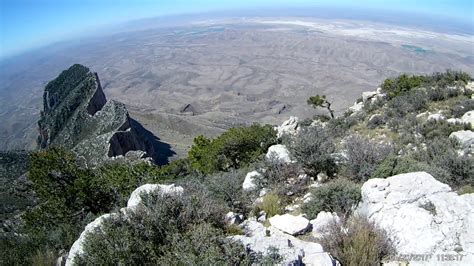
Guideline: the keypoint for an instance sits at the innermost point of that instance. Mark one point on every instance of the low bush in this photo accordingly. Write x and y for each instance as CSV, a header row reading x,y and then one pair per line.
x,y
466,189
271,205
357,241
282,178
226,187
183,229
462,107
410,102
339,126
234,148
394,165
336,196
404,83
313,148
376,121
401,84
440,128
364,156
446,163
437,94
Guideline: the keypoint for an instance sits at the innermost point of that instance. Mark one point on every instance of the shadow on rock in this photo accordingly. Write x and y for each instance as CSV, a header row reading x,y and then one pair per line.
x,y
159,151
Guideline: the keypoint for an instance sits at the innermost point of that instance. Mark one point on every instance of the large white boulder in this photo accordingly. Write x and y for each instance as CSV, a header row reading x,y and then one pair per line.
x,y
77,248
278,152
250,181
323,220
134,201
293,250
288,127
136,196
422,215
290,224
468,118
465,137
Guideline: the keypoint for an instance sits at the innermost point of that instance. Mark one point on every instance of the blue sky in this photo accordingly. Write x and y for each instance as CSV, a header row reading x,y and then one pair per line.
x,y
26,24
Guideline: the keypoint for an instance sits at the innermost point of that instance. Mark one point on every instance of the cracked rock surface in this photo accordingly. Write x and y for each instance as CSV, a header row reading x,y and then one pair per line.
x,y
422,215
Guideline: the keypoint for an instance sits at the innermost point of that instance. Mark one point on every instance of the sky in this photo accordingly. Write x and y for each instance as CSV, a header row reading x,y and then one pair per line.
x,y
28,24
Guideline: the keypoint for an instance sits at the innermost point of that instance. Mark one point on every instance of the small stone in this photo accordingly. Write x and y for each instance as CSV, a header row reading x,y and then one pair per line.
x,y
322,177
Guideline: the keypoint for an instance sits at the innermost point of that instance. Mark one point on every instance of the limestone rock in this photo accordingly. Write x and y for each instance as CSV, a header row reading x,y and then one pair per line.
x,y
279,153
436,117
289,127
249,181
234,218
322,177
468,118
294,251
465,137
78,246
290,224
136,196
77,116
421,214
372,95
357,107
368,95
323,219
454,121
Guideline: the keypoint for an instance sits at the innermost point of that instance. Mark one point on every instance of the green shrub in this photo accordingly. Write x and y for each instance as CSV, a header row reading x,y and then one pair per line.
x,y
437,94
441,128
401,84
466,189
364,156
376,121
271,204
183,229
462,107
446,164
313,148
282,178
336,196
404,83
409,102
339,126
360,243
235,148
394,165
226,187
66,193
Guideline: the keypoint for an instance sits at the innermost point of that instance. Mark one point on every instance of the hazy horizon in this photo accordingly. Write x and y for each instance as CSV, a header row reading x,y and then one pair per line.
x,y
26,25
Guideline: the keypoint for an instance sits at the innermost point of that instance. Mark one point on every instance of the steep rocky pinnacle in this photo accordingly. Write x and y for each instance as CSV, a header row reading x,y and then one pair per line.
x,y
78,116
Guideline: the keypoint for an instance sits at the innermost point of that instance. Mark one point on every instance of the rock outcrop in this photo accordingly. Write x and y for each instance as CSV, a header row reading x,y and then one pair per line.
x,y
468,118
290,224
293,250
422,215
78,116
289,127
278,153
323,220
466,138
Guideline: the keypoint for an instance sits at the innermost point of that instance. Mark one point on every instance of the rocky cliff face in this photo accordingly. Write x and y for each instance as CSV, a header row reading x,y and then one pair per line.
x,y
78,116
